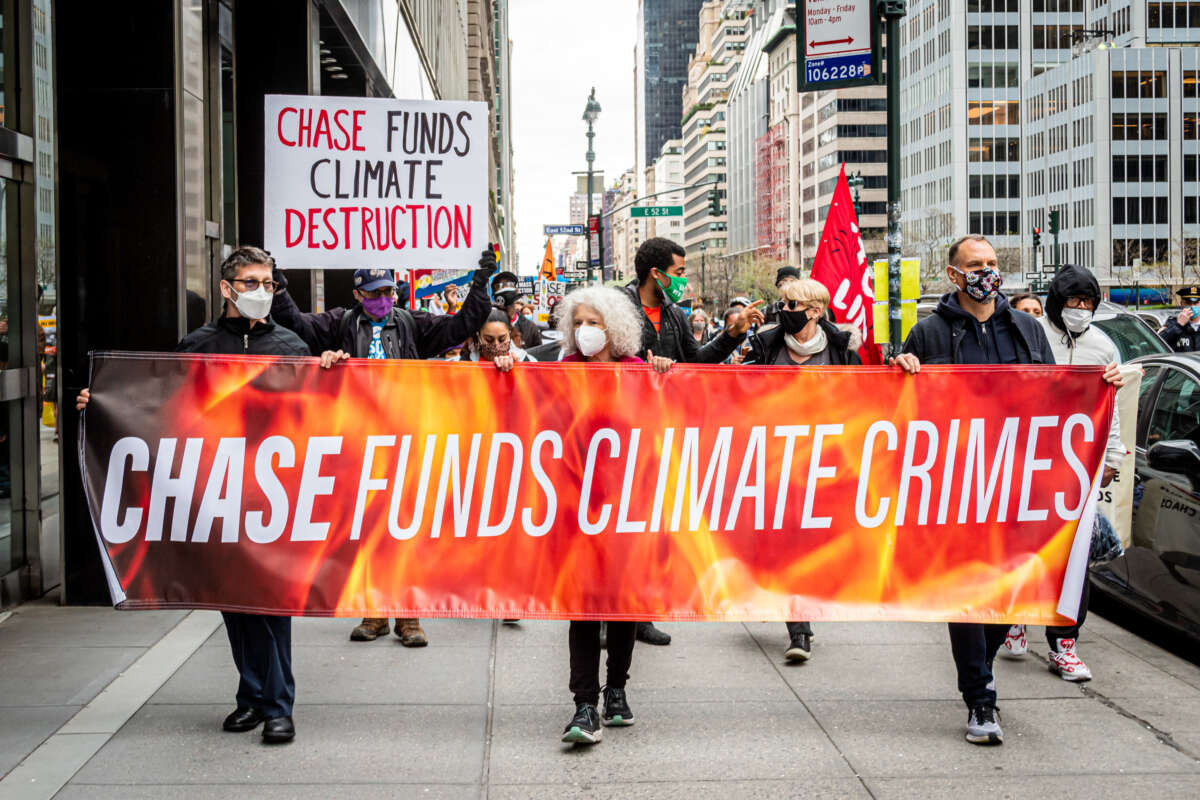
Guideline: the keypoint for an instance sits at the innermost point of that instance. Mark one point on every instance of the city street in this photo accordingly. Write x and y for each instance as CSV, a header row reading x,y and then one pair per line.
x,y
109,704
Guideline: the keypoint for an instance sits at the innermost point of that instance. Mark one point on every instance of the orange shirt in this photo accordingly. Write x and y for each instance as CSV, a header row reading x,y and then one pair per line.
x,y
654,315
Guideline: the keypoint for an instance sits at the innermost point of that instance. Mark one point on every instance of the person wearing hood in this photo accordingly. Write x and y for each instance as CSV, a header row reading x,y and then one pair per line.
x,y
377,326
504,295
1071,303
974,324
1182,332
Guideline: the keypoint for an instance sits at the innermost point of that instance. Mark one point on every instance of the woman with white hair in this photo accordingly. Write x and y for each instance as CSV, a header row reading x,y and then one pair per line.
x,y
600,325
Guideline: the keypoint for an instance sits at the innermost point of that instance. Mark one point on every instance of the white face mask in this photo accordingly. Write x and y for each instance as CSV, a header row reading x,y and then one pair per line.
x,y
1076,320
253,305
590,340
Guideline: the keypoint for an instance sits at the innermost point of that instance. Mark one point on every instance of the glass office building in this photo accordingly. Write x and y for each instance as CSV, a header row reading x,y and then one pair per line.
x,y
667,34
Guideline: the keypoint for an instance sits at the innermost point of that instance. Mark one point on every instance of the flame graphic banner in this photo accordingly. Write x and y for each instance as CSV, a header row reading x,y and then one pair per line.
x,y
580,491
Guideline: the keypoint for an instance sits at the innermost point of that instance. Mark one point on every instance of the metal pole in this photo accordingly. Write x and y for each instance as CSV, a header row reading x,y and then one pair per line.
x,y
703,252
893,11
591,156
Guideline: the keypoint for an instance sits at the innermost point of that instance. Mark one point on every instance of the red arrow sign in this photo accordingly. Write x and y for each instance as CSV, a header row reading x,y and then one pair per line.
x,y
847,40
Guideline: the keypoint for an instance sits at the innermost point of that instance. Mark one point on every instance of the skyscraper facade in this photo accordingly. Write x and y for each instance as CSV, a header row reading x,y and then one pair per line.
x,y
667,33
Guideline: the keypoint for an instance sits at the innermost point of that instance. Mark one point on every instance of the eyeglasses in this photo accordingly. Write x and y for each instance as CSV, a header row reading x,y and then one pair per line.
x,y
793,305
382,291
252,284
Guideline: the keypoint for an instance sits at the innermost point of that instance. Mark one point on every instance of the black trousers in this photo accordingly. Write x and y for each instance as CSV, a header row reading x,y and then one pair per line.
x,y
974,646
262,651
1053,634
585,657
797,628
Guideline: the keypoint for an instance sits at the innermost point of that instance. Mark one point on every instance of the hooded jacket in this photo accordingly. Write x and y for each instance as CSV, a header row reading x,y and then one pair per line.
x,y
1092,347
674,339
938,339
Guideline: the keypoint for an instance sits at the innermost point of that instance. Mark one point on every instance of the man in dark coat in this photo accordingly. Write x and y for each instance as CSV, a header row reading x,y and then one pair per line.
x,y
1182,333
504,295
376,327
261,644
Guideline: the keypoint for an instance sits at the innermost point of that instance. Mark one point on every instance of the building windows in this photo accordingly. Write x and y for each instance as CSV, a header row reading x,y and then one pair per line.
x,y
1054,37
993,37
1140,211
990,186
861,130
1135,84
994,6
1150,251
1145,126
993,112
998,223
1057,5
1139,168
987,149
1172,15
1191,79
988,76
1191,125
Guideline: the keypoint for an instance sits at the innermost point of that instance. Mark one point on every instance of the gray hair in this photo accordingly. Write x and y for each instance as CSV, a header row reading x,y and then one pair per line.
x,y
621,319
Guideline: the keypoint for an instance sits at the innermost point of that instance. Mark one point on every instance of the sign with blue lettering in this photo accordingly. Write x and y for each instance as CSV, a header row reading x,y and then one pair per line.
x,y
838,44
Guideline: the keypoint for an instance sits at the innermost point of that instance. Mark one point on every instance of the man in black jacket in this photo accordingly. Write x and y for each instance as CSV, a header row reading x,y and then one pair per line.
x,y
661,281
375,327
261,644
1182,333
504,295
976,325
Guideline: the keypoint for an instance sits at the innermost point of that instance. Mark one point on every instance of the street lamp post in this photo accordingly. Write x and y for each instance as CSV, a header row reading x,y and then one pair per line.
x,y
590,113
703,248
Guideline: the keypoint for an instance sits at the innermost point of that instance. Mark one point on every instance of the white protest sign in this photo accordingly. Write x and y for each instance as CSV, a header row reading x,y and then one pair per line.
x,y
375,182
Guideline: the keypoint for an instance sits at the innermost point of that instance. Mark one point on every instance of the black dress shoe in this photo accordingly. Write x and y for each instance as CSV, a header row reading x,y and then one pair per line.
x,y
278,730
646,632
243,719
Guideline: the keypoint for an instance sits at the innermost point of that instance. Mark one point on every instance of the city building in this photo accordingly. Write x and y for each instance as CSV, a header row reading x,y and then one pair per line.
x,y
664,174
626,229
667,32
711,71
1112,144
503,121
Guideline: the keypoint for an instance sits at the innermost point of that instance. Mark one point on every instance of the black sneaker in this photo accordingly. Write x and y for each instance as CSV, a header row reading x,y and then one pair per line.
x,y
616,708
646,632
800,648
983,725
584,727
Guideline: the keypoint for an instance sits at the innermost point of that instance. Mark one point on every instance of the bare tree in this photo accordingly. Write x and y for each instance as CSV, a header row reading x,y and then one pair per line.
x,y
929,237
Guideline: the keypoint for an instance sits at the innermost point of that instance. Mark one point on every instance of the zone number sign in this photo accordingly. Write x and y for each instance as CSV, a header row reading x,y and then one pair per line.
x,y
839,43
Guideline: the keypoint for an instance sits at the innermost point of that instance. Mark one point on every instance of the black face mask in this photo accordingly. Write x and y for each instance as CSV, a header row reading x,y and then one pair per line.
x,y
505,297
793,321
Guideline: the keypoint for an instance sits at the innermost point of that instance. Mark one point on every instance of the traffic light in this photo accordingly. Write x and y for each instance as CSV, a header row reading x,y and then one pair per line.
x,y
714,203
1054,222
1037,238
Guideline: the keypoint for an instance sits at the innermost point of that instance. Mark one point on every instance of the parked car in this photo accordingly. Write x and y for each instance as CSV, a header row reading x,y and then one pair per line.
x,y
1159,574
1157,317
1131,334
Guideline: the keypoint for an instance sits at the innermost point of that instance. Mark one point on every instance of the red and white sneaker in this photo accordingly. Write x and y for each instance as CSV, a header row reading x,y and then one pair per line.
x,y
1015,644
1066,664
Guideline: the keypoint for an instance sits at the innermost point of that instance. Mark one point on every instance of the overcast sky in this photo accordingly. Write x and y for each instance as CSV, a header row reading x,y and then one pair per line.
x,y
560,50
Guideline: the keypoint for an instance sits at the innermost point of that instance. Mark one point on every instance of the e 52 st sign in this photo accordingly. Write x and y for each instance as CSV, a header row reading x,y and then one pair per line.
x,y
838,44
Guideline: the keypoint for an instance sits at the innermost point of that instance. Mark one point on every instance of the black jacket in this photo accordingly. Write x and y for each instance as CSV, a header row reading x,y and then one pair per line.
x,y
1181,338
674,339
531,335
406,334
766,346
938,338
235,336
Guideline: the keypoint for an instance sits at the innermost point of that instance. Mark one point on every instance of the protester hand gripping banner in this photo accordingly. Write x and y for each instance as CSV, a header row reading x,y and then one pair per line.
x,y
356,182
404,488
1116,499
841,265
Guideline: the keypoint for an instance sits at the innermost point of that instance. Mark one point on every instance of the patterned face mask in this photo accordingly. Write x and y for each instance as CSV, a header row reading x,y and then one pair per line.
x,y
490,352
982,285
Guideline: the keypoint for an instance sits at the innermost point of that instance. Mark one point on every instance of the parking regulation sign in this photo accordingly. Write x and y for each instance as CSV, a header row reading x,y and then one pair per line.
x,y
840,44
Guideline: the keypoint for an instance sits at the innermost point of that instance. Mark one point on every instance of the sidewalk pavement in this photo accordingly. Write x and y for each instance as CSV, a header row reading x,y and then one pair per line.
x,y
104,704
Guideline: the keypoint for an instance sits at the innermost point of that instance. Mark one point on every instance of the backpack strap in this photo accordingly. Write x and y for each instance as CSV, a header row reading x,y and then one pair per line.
x,y
344,324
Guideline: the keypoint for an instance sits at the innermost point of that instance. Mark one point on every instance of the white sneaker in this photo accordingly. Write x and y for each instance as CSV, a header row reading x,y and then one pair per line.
x,y
1015,644
1066,664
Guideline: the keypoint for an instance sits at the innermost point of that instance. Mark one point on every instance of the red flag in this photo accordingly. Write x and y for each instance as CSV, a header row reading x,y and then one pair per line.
x,y
841,265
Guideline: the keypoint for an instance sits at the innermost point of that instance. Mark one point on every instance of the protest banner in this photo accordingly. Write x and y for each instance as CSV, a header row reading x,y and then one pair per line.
x,y
586,491
356,182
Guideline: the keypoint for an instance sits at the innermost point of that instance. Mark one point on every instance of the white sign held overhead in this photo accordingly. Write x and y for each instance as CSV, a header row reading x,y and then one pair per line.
x,y
837,42
356,182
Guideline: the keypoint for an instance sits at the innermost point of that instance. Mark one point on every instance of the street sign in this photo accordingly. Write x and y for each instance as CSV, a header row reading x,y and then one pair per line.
x,y
839,40
557,230
656,211
580,265
1049,269
574,274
